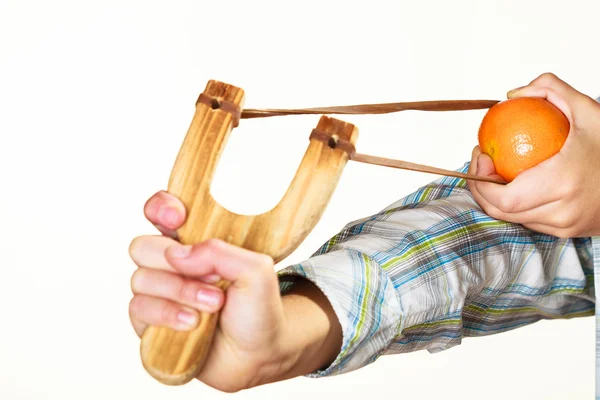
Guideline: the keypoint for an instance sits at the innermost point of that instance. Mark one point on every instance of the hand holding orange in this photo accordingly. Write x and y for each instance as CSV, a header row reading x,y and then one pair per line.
x,y
545,141
520,133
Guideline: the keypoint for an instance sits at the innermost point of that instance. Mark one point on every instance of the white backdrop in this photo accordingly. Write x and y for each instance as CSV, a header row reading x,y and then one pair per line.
x,y
96,96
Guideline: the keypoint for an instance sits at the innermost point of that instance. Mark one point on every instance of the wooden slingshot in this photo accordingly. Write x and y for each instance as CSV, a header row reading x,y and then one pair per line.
x,y
173,357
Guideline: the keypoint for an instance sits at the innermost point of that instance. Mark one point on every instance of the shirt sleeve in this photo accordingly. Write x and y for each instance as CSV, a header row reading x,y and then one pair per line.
x,y
362,297
433,268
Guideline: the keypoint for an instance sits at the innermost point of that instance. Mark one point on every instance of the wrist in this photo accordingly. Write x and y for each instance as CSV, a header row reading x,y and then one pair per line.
x,y
311,337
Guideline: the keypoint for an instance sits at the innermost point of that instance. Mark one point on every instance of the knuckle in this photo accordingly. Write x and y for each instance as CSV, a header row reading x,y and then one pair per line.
x,y
572,187
168,314
565,226
134,307
487,209
508,203
185,291
265,261
494,213
564,221
568,188
214,245
227,386
249,374
264,265
231,388
573,230
209,248
547,78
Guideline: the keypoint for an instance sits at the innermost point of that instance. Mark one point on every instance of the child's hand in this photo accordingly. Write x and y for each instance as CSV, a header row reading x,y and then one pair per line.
x,y
560,196
255,342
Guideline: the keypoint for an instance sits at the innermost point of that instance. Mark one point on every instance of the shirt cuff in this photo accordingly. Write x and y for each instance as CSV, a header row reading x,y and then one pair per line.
x,y
363,299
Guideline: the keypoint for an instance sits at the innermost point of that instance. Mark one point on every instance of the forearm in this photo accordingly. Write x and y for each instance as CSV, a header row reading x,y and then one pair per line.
x,y
314,331
312,337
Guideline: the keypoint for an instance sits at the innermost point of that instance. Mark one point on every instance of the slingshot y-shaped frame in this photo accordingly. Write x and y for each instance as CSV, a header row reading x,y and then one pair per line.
x,y
174,357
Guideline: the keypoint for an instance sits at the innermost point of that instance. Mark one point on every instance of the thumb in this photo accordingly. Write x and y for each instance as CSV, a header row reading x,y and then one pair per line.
x,y
484,165
166,212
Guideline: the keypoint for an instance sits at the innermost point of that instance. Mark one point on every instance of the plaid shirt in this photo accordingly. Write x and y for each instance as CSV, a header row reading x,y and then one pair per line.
x,y
433,268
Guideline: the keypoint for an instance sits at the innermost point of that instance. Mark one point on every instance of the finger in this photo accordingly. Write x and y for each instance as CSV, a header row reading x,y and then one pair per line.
x,y
553,215
138,326
149,252
148,310
192,293
471,184
473,169
550,80
531,189
549,213
216,257
473,164
550,230
166,212
546,80
486,168
553,89
545,212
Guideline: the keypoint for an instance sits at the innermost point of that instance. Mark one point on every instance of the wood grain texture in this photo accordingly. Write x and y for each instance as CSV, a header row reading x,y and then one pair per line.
x,y
175,358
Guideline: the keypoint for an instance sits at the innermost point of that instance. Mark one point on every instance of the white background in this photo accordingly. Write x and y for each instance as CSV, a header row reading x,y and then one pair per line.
x,y
96,96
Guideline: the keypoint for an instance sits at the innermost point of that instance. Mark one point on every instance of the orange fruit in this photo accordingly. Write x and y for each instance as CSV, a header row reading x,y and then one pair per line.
x,y
520,133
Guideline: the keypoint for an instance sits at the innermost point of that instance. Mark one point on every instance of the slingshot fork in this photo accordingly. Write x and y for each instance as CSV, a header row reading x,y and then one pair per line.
x,y
173,357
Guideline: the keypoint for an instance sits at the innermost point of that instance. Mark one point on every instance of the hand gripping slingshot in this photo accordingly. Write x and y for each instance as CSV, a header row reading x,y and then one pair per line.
x,y
173,357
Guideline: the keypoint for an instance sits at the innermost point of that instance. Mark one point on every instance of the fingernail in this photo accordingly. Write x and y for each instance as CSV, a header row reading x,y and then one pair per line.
x,y
181,251
187,318
208,297
168,215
